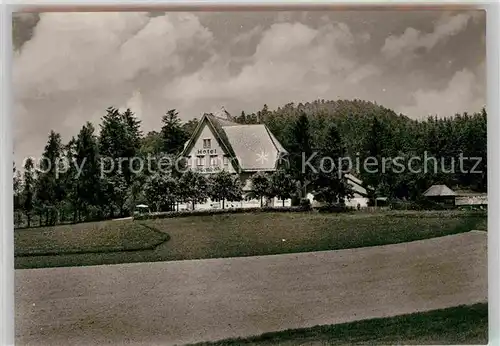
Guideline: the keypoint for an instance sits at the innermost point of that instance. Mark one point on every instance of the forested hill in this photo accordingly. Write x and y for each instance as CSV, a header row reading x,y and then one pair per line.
x,y
366,127
352,117
333,128
397,133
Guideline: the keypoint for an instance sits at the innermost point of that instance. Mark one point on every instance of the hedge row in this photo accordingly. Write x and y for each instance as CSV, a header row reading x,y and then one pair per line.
x,y
209,212
438,213
304,205
419,205
334,209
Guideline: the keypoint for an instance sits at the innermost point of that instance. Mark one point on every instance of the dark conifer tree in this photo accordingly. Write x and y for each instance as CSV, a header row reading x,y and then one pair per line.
x,y
172,133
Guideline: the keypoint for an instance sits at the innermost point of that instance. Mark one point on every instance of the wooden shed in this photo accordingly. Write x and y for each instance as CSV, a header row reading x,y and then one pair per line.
x,y
441,194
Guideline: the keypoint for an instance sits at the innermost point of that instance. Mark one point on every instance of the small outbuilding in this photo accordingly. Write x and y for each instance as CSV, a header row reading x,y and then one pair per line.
x,y
141,209
471,200
441,194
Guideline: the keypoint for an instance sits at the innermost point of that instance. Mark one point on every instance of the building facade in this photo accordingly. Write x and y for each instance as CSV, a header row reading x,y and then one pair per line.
x,y
360,197
218,143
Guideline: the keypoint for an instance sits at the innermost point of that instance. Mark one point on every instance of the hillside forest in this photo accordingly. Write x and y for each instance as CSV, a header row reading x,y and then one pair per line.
x,y
343,128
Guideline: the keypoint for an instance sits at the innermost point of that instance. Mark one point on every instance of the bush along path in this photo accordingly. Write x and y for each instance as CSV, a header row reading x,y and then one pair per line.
x,y
93,238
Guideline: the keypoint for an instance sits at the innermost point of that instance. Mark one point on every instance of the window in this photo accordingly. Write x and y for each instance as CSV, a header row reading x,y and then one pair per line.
x,y
226,161
207,143
213,160
200,161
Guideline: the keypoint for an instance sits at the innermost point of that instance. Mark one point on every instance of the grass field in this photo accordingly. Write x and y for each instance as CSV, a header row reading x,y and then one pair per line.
x,y
263,234
233,235
109,236
466,325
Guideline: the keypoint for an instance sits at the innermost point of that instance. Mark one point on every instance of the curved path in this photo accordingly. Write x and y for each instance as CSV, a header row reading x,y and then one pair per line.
x,y
167,303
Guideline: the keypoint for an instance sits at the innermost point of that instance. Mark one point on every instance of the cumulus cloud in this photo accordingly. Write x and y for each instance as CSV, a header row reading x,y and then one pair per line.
x,y
75,51
78,64
288,55
460,95
413,39
135,103
363,72
247,35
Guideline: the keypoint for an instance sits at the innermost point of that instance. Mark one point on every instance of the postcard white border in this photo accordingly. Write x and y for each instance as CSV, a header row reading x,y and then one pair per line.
x,y
6,130
6,201
493,105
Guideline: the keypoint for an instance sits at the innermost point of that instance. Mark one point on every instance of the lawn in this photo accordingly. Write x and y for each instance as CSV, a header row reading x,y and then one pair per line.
x,y
273,233
466,325
109,236
233,235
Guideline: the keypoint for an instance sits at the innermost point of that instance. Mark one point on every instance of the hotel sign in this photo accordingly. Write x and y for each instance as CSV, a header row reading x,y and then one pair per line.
x,y
206,152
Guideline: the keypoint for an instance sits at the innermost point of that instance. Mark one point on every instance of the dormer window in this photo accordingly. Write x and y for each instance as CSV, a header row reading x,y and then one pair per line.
x,y
207,143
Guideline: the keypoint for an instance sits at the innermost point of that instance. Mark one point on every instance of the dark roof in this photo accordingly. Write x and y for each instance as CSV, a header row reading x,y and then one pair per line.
x,y
217,124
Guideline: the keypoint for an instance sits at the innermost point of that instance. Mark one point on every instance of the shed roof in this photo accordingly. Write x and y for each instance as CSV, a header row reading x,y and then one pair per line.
x,y
439,190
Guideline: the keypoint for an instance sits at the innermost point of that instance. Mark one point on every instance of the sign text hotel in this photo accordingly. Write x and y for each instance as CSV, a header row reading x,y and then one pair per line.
x,y
206,152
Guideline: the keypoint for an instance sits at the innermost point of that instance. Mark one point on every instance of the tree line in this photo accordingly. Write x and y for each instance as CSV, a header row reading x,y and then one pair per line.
x,y
370,130
333,129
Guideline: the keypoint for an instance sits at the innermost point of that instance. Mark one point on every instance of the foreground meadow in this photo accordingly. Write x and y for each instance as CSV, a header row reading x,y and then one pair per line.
x,y
462,325
230,235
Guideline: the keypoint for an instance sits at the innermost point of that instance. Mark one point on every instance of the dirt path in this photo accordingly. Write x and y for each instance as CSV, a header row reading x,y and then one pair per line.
x,y
168,303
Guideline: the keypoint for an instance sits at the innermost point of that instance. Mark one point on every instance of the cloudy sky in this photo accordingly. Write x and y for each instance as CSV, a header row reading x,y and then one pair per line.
x,y
69,67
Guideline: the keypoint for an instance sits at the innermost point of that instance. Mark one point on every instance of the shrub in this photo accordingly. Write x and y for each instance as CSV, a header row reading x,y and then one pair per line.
x,y
421,204
335,208
209,212
295,201
305,203
404,205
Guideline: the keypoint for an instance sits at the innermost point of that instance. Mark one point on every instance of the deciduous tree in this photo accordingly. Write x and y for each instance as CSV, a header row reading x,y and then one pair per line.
x,y
282,185
193,188
260,186
225,186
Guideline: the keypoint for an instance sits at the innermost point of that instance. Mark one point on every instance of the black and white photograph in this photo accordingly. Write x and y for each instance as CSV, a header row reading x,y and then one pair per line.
x,y
252,177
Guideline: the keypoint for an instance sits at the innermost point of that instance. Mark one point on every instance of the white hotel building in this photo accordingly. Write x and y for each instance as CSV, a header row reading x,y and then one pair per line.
x,y
219,143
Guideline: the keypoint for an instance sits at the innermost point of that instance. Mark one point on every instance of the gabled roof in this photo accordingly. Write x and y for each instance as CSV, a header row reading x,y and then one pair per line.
x,y
218,121
277,144
354,179
356,185
223,114
215,125
439,190
254,146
